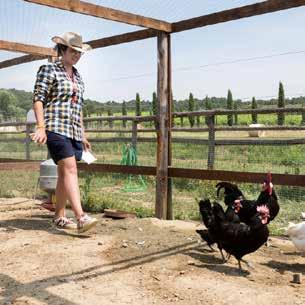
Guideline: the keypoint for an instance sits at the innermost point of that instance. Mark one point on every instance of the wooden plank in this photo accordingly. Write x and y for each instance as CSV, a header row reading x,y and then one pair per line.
x,y
261,142
12,140
28,166
236,13
201,174
119,130
123,169
242,111
195,141
266,142
267,128
20,60
26,48
211,142
162,128
122,38
99,11
97,43
169,209
121,118
246,177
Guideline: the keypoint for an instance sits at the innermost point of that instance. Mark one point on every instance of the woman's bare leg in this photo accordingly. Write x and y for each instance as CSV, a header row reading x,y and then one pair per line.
x,y
67,188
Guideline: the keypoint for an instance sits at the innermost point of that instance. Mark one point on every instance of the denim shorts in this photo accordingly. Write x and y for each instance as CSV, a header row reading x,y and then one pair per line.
x,y
61,147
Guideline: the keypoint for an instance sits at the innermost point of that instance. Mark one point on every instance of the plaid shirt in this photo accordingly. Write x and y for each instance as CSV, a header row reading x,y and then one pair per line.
x,y
55,90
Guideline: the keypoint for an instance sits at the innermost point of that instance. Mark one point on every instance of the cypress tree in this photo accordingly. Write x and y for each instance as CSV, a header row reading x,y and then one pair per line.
x,y
230,107
173,108
303,114
110,113
281,104
254,106
154,106
124,112
191,108
235,114
138,105
197,117
154,103
208,106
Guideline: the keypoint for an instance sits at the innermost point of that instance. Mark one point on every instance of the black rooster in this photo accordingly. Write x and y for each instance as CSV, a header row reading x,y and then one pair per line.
x,y
244,208
231,192
207,216
239,239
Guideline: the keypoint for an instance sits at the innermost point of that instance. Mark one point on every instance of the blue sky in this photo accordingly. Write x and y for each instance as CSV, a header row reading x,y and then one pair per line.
x,y
118,72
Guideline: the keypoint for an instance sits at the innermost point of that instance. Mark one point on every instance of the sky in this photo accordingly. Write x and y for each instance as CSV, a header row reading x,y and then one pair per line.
x,y
249,56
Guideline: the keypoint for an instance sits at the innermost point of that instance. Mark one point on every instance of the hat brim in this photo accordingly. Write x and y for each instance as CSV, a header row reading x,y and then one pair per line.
x,y
85,47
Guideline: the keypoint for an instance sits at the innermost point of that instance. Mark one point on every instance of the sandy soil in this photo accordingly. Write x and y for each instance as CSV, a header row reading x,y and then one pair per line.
x,y
133,261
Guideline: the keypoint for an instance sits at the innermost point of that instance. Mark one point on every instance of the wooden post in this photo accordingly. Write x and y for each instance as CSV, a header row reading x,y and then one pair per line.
x,y
211,148
162,128
27,142
169,215
134,134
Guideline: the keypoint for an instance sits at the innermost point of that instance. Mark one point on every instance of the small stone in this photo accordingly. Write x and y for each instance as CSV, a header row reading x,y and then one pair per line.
x,y
140,229
182,272
100,243
140,243
297,278
124,245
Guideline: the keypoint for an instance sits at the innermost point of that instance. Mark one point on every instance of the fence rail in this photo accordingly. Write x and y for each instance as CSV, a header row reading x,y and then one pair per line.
x,y
201,174
211,129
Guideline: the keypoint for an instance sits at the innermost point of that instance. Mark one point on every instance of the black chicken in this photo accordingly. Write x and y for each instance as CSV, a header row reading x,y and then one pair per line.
x,y
231,192
244,208
207,216
239,239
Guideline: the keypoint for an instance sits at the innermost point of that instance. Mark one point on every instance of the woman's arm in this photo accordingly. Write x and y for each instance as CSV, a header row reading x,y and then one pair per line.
x,y
44,80
40,134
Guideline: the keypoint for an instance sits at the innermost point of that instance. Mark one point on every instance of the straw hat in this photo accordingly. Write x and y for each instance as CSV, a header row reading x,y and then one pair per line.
x,y
73,41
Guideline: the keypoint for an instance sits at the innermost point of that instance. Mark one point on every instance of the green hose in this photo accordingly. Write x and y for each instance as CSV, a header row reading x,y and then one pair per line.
x,y
134,183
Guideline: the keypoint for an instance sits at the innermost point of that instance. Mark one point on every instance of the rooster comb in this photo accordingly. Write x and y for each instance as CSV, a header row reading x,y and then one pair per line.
x,y
262,209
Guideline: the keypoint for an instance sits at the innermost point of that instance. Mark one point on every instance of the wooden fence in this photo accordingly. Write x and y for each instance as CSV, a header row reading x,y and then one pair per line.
x,y
211,129
172,172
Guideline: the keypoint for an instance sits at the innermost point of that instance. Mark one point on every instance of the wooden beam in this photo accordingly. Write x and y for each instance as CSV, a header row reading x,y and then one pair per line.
x,y
215,18
20,60
26,48
169,210
162,127
187,173
90,9
236,13
122,38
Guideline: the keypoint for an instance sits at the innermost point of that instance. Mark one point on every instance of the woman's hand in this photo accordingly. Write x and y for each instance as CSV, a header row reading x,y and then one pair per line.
x,y
39,136
86,144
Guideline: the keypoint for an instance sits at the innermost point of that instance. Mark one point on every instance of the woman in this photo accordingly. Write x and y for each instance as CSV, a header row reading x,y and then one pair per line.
x,y
57,102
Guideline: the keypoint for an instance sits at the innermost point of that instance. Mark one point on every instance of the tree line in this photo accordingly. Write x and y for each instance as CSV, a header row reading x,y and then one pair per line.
x,y
14,105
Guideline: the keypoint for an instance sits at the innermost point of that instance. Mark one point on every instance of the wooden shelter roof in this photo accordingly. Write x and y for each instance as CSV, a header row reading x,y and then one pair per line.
x,y
167,16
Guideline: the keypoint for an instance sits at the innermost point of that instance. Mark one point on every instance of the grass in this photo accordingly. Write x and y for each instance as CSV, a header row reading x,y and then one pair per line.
x,y
100,191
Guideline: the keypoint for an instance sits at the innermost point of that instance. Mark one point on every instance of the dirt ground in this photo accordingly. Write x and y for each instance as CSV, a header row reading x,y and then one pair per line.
x,y
133,261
